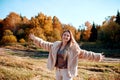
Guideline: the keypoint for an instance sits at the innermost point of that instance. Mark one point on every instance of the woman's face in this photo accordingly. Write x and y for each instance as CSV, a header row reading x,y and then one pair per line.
x,y
66,36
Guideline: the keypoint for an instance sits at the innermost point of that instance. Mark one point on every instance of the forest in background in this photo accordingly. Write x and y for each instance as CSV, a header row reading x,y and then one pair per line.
x,y
15,28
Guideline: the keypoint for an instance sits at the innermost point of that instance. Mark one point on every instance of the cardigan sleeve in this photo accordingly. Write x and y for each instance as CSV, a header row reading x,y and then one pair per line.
x,y
43,44
89,55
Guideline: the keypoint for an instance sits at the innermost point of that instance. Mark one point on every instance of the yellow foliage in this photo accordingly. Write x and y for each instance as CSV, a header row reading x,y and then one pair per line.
x,y
42,36
71,28
77,36
87,32
7,32
9,39
22,40
56,34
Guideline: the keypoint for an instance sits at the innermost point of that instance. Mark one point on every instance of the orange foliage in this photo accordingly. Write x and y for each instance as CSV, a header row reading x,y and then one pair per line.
x,y
86,33
43,26
22,40
9,39
11,22
77,36
57,24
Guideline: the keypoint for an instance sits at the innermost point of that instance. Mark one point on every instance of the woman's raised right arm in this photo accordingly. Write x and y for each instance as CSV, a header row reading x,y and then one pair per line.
x,y
92,56
41,43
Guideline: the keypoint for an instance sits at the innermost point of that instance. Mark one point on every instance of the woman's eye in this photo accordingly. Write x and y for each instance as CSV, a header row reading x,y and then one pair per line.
x,y
64,34
67,35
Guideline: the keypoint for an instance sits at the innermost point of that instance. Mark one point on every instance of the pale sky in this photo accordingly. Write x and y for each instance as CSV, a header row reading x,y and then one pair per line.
x,y
74,12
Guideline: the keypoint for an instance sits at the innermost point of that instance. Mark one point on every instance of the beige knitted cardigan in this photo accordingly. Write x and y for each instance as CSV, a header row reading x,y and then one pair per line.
x,y
74,53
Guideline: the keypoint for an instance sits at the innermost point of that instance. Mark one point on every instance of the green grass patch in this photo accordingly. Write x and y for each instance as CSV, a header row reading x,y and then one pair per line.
x,y
100,48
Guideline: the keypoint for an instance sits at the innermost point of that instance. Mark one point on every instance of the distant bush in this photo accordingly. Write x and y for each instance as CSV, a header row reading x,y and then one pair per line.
x,y
8,39
22,40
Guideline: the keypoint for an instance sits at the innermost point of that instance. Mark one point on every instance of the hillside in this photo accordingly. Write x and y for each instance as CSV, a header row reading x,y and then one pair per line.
x,y
15,65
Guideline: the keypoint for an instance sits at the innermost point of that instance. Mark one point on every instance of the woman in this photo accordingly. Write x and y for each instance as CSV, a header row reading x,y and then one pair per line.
x,y
64,55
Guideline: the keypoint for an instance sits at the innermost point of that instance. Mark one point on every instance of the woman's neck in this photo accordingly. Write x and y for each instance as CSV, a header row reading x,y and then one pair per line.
x,y
64,44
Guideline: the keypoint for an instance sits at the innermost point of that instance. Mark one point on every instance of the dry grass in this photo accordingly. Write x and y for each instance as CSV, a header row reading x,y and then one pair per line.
x,y
23,68
13,67
99,71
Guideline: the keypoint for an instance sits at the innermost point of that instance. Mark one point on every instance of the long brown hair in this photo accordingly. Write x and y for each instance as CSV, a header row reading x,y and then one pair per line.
x,y
70,43
72,40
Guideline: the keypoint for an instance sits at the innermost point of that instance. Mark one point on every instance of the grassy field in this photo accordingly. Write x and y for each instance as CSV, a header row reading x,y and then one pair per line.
x,y
15,65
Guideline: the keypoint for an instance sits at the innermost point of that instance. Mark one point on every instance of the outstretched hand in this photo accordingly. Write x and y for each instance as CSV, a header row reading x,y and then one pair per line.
x,y
31,36
103,57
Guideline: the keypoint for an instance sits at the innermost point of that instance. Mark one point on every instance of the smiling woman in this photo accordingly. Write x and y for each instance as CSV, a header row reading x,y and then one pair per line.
x,y
64,55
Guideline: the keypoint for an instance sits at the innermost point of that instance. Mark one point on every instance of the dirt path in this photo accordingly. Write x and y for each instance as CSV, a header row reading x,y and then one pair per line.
x,y
112,59
2,51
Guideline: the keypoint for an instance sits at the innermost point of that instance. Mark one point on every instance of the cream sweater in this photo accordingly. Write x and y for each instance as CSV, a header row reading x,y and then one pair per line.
x,y
74,53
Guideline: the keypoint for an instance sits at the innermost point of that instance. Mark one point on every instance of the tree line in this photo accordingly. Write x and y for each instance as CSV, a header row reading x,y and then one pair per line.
x,y
16,28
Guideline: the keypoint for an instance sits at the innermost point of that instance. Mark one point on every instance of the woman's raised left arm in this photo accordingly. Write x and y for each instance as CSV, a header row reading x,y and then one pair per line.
x,y
89,55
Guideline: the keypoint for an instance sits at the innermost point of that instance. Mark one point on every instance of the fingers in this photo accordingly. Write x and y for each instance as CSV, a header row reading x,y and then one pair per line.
x,y
31,36
103,56
102,53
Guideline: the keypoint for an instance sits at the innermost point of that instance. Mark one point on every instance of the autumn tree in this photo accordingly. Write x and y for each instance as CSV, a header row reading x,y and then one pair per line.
x,y
56,35
38,32
20,33
33,22
40,19
48,27
11,22
86,33
25,23
24,20
69,27
1,30
109,34
22,27
8,37
57,24
44,24
77,35
109,19
75,32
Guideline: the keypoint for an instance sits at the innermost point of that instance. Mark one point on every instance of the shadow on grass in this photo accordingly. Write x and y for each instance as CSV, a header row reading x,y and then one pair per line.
x,y
29,53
